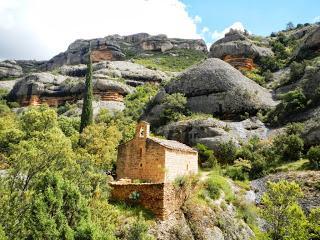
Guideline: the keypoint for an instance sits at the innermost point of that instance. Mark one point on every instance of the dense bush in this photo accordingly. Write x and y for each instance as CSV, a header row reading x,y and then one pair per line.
x,y
291,102
281,210
314,156
239,170
296,71
206,156
288,147
137,102
174,108
226,152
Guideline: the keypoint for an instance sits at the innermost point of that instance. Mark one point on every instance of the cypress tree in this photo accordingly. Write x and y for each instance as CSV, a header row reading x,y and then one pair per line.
x,y
87,111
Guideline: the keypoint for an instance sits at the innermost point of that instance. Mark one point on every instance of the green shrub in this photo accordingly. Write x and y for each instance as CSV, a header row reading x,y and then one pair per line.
x,y
139,230
240,170
281,210
174,108
269,63
296,71
314,156
289,147
215,184
206,155
314,223
134,196
226,152
291,102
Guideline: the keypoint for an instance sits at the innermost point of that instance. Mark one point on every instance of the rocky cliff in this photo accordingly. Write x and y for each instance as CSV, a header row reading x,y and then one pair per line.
x,y
116,47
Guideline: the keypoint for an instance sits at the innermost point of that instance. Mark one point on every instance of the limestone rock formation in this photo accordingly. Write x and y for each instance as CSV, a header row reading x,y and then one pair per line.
x,y
215,87
212,132
9,69
236,43
310,45
132,73
115,47
55,90
77,53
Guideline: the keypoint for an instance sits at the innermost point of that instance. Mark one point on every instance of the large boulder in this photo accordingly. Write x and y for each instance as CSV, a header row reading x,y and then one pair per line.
x,y
215,87
45,84
310,45
212,132
236,43
77,53
132,73
10,69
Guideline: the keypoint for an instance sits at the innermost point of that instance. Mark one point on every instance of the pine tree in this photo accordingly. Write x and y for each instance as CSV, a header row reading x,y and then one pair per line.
x,y
87,111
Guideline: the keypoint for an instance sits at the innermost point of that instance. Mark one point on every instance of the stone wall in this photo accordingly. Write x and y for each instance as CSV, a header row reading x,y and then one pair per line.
x,y
178,163
160,198
141,159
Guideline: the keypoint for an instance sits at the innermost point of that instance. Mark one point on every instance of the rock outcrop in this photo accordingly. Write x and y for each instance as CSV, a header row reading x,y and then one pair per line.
x,y
115,47
310,45
10,69
215,87
238,50
212,132
55,90
133,74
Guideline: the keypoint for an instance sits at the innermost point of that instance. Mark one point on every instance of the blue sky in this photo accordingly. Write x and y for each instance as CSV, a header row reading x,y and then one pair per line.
x,y
40,29
259,17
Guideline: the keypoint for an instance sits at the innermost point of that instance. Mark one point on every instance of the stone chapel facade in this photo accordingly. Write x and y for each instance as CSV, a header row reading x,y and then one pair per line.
x,y
148,166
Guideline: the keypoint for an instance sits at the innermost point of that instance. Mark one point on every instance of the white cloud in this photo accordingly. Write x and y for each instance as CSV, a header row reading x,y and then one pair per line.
x,y
197,19
55,24
316,19
205,30
216,35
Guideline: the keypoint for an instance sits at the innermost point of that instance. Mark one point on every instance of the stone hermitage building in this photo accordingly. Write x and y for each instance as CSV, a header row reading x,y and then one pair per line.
x,y
146,168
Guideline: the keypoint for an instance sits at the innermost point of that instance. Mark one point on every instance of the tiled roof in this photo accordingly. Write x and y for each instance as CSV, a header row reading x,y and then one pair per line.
x,y
171,144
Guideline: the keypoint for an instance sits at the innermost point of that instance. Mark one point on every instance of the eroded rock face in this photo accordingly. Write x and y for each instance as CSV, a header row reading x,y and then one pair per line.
x,y
77,53
133,74
215,87
237,44
114,47
212,132
310,45
55,90
10,69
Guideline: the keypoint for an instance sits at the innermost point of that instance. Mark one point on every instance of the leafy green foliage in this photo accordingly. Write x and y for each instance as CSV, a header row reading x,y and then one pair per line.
x,y
314,156
215,184
138,230
175,60
55,188
291,102
296,71
87,111
206,156
226,152
281,210
101,141
239,170
314,223
138,101
174,108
